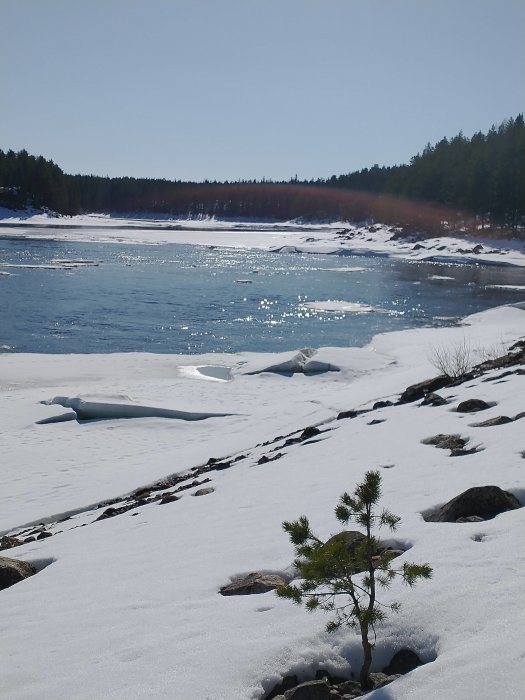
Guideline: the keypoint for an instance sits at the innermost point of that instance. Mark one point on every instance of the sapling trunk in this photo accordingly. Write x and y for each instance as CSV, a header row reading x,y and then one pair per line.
x,y
364,676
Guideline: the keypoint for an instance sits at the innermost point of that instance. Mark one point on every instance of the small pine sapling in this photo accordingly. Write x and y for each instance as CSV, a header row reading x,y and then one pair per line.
x,y
353,568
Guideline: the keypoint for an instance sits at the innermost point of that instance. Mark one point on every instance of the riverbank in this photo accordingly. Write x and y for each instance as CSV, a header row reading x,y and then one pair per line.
x,y
338,238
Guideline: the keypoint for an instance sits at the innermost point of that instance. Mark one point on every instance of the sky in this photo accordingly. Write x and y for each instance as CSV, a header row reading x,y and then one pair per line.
x,y
251,89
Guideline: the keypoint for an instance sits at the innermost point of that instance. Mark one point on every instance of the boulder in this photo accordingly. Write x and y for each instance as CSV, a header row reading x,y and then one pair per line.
x,y
499,420
311,690
446,442
350,688
277,691
168,498
472,405
13,570
348,414
6,542
403,661
418,391
432,399
204,492
483,501
253,583
381,404
310,432
381,679
344,543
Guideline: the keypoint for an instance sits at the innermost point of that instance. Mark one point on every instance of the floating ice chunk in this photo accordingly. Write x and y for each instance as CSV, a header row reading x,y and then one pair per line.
x,y
286,249
96,410
349,307
345,269
517,287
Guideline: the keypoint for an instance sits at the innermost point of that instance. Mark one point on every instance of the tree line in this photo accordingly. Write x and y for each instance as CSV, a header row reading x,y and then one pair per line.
x,y
459,183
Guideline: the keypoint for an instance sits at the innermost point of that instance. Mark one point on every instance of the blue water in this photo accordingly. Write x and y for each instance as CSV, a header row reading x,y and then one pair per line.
x,y
188,299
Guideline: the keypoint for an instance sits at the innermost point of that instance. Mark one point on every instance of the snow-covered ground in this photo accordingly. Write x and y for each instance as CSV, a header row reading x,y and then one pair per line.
x,y
336,237
128,607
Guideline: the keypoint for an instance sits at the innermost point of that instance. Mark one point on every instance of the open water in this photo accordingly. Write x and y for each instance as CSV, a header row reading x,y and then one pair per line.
x,y
64,297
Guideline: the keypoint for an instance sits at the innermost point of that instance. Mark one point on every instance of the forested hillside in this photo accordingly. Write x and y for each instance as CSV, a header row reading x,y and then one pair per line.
x,y
463,183
484,175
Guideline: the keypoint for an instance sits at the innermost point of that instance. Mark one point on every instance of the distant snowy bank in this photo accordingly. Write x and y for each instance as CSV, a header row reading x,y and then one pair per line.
x,y
338,238
134,520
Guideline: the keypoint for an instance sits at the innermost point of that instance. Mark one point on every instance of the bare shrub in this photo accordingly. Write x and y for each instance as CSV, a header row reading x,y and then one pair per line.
x,y
454,361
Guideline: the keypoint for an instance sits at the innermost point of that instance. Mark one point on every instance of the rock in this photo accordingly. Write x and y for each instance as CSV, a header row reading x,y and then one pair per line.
x,y
432,399
499,420
253,583
348,414
204,492
352,688
311,690
265,459
470,519
13,570
418,391
310,432
381,404
477,249
44,534
446,442
483,501
277,691
460,452
7,542
376,421
403,661
346,541
381,679
220,466
472,405
322,674
168,498
110,513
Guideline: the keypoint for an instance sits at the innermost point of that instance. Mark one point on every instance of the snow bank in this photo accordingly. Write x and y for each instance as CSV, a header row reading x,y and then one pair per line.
x,y
128,606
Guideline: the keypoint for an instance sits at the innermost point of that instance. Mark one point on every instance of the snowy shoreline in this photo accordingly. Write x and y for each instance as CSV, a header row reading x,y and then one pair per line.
x,y
338,238
137,597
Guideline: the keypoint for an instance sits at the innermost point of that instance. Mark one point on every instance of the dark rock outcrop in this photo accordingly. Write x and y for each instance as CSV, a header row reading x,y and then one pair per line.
x,y
7,542
483,501
279,689
432,399
13,570
472,406
403,661
419,391
311,690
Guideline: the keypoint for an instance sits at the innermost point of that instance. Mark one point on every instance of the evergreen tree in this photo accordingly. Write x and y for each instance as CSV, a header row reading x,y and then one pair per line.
x,y
352,571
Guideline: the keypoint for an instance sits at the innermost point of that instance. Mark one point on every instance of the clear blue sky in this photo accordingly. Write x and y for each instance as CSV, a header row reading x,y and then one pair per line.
x,y
228,89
